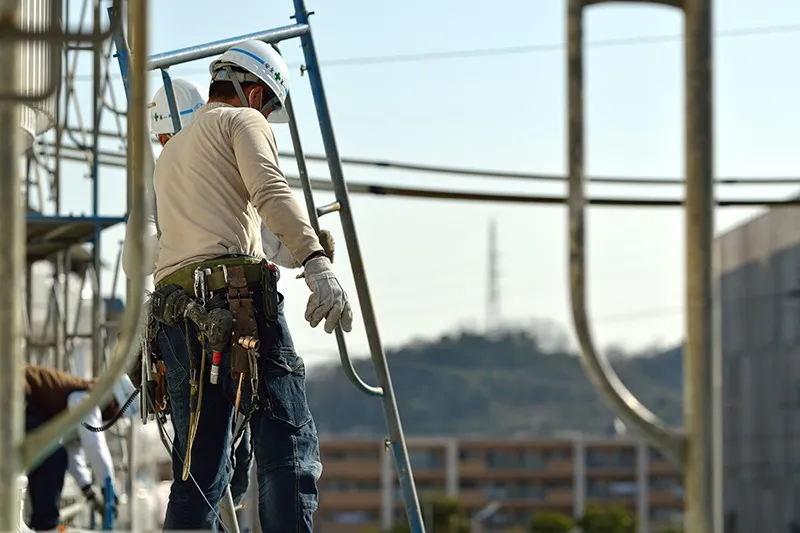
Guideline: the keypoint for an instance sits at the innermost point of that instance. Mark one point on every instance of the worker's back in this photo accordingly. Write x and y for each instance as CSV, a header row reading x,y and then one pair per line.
x,y
47,389
203,204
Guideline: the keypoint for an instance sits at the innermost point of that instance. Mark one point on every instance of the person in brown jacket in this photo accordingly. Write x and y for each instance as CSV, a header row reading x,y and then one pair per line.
x,y
48,392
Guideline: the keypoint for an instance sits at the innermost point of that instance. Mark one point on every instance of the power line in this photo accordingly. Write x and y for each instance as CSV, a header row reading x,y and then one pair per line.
x,y
441,194
519,49
481,173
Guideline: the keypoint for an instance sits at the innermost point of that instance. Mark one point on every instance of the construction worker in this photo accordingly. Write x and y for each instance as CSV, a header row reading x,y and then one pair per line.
x,y
78,468
47,393
188,100
215,182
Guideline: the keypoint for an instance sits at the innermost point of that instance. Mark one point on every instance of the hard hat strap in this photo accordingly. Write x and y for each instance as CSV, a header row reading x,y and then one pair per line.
x,y
273,102
237,78
229,73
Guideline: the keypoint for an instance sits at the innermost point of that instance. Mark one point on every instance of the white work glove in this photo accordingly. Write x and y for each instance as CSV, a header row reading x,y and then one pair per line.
x,y
279,254
328,299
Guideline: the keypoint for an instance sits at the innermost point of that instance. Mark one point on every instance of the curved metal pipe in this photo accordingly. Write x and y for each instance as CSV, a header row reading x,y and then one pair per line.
x,y
308,195
597,365
39,443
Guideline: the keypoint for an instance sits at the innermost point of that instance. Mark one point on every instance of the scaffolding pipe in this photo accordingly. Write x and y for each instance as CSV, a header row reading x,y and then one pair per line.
x,y
698,450
305,183
396,439
42,441
701,357
12,270
215,48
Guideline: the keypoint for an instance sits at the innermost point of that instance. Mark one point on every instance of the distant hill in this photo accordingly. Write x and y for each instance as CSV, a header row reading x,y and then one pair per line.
x,y
467,384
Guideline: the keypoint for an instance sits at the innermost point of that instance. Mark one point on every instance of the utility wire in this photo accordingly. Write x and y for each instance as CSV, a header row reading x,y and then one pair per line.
x,y
319,184
522,49
480,173
118,158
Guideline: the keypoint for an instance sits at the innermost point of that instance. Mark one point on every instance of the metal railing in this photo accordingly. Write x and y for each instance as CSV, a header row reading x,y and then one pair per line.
x,y
698,449
20,452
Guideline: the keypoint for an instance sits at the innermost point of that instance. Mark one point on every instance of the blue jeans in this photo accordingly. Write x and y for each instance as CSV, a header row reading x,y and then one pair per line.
x,y
241,467
45,483
286,447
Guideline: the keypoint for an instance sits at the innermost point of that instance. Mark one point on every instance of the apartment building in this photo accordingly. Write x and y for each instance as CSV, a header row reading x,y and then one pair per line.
x,y
359,489
758,269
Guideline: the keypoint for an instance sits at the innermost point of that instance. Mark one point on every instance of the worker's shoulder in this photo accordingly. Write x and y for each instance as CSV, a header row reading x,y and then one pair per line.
x,y
246,116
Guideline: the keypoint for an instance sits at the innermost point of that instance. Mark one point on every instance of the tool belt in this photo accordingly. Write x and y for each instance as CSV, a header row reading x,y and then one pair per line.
x,y
234,277
215,283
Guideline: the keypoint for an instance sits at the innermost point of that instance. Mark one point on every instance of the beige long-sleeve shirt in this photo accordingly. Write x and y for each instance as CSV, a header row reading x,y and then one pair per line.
x,y
215,181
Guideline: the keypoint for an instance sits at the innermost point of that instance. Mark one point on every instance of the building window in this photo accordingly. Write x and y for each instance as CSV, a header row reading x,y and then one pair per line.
x,y
469,455
610,458
423,488
515,460
352,517
426,459
496,491
672,485
558,484
350,455
666,515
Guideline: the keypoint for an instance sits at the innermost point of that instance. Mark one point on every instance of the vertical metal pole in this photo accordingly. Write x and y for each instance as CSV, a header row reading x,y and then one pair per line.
x,y
12,268
59,286
98,351
397,439
702,407
28,316
66,268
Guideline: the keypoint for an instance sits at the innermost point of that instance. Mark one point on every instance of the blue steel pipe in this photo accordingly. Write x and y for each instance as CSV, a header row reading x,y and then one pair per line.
x,y
215,48
398,443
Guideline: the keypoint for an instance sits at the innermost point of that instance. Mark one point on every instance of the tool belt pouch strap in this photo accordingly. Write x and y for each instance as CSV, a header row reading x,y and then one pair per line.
x,y
269,283
244,320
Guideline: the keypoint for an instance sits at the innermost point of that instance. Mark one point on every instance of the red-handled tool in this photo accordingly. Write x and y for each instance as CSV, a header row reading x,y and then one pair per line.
x,y
216,360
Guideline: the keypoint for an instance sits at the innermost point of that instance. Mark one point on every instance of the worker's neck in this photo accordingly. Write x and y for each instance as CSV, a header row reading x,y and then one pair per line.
x,y
230,101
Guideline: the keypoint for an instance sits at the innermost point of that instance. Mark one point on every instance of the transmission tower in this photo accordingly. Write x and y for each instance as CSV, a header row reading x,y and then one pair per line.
x,y
493,318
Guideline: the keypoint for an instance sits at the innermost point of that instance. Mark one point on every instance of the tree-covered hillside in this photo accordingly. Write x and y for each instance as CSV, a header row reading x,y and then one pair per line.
x,y
468,384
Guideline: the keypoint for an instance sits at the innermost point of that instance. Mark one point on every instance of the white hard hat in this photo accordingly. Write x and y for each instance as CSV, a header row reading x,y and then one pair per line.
x,y
122,391
187,99
261,63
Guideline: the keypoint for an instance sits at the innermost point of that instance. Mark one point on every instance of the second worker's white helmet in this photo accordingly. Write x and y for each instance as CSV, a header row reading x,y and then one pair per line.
x,y
260,63
187,99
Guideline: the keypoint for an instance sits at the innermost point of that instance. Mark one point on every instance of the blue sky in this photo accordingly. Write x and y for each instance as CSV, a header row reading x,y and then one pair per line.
x,y
427,260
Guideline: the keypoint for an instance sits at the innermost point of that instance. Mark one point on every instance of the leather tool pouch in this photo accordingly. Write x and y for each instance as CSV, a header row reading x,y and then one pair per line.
x,y
269,282
244,320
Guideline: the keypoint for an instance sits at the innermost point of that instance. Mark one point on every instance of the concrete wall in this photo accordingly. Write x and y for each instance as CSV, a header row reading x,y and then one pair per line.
x,y
759,264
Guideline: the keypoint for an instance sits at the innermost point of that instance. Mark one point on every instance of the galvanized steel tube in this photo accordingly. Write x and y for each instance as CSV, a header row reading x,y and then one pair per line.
x,y
701,361
597,366
38,444
12,271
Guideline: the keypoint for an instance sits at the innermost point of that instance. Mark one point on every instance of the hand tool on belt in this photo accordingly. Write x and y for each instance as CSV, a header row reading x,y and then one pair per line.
x,y
234,327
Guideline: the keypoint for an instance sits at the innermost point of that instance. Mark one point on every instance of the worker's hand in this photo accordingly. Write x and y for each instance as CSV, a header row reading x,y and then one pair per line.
x,y
93,497
328,299
327,242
